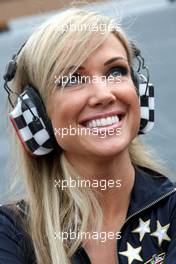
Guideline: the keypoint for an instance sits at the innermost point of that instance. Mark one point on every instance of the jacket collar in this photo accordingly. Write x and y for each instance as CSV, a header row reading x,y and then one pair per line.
x,y
149,187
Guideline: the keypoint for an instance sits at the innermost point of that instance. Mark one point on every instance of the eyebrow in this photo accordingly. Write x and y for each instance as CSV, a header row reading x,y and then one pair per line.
x,y
114,59
105,64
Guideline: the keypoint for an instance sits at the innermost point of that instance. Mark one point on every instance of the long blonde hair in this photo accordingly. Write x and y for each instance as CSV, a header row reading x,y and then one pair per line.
x,y
46,54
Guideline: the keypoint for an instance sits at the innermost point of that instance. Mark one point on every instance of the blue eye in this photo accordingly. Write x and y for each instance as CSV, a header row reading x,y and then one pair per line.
x,y
75,79
69,81
118,71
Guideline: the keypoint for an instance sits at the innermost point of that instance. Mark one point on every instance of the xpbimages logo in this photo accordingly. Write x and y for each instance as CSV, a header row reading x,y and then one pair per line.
x,y
84,131
102,184
93,27
71,79
101,236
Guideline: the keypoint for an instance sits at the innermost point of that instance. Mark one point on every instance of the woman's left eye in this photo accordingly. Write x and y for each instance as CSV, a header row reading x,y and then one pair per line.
x,y
117,71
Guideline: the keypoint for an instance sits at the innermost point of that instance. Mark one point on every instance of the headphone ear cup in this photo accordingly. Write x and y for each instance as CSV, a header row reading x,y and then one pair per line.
x,y
32,124
147,104
135,79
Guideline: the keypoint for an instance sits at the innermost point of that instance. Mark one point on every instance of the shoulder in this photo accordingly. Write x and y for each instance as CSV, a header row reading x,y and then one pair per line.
x,y
152,187
154,180
15,244
12,215
167,187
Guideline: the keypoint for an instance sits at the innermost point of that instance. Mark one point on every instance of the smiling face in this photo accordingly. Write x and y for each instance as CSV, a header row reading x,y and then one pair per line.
x,y
111,103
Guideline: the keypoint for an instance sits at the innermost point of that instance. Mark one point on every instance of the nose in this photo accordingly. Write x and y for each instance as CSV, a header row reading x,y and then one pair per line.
x,y
101,94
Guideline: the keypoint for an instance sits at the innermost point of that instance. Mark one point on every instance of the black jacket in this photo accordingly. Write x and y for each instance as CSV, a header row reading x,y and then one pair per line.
x,y
147,236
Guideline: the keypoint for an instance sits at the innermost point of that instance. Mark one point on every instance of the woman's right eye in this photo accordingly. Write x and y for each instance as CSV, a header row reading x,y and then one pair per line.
x,y
69,81
75,79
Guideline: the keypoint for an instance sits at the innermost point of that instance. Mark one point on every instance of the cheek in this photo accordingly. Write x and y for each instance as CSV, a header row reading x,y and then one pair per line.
x,y
56,110
134,109
134,103
65,117
127,93
64,109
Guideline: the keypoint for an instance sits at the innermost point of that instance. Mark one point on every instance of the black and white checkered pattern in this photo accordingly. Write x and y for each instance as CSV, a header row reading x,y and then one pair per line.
x,y
147,104
32,133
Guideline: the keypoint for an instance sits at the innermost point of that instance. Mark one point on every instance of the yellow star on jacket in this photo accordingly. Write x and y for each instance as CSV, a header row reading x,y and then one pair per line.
x,y
161,233
143,228
131,253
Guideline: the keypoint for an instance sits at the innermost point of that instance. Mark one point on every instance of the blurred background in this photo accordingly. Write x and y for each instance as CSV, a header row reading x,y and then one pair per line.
x,y
152,24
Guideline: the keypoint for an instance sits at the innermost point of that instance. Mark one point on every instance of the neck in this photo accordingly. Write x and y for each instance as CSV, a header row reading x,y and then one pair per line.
x,y
118,172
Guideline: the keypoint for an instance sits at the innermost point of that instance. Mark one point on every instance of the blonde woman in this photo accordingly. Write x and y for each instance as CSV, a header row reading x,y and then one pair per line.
x,y
96,197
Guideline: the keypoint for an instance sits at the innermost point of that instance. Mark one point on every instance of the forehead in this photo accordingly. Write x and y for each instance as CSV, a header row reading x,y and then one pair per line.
x,y
112,46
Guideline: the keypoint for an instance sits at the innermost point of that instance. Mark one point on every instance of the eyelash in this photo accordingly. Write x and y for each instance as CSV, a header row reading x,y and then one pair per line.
x,y
123,72
123,69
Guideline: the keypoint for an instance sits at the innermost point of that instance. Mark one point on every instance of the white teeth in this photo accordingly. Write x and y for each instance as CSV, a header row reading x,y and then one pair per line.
x,y
98,122
109,120
116,119
103,121
93,123
113,119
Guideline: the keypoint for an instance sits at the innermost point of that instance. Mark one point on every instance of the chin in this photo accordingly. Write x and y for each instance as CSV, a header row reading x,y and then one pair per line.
x,y
108,149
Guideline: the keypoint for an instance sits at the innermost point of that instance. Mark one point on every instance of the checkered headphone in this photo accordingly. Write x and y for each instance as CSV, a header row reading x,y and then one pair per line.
x,y
145,91
33,125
